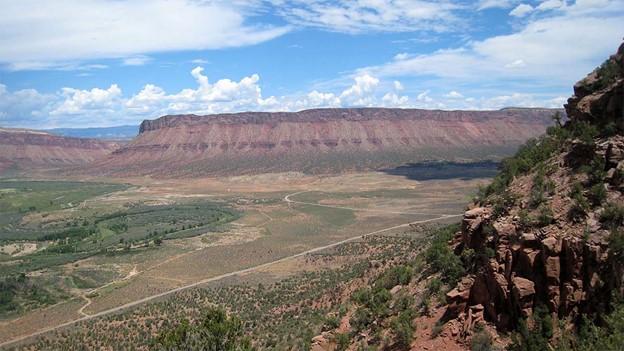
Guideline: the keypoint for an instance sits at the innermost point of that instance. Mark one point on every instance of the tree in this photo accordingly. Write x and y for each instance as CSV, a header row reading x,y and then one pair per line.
x,y
216,331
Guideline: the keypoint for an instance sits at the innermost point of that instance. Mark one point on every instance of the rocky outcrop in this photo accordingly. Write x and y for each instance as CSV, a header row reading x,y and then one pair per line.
x,y
565,264
24,150
599,97
321,140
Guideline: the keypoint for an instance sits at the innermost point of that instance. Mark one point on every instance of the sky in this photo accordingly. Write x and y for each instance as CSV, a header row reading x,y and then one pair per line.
x,y
96,63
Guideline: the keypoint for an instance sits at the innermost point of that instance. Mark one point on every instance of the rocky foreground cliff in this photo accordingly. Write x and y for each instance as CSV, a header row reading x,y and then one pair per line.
x,y
546,236
27,150
320,141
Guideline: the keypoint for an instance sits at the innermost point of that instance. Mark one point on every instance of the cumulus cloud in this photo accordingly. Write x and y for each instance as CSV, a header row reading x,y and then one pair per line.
x,y
105,107
81,101
359,94
37,35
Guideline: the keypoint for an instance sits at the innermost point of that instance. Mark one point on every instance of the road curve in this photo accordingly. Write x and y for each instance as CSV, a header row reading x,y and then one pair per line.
x,y
216,278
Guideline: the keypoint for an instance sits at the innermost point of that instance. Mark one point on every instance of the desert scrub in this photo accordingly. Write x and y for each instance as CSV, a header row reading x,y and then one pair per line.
x,y
397,275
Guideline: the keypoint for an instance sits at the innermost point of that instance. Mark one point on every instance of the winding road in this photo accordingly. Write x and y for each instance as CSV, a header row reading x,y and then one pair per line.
x,y
227,275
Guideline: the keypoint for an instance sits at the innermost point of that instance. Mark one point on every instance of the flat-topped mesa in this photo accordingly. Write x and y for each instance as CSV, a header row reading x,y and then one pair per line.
x,y
320,140
346,114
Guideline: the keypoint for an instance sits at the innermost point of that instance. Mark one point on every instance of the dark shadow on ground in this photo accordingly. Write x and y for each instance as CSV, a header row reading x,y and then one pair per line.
x,y
445,170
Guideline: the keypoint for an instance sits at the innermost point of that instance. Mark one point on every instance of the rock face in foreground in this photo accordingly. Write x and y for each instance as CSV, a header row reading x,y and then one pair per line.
x,y
22,149
321,141
547,240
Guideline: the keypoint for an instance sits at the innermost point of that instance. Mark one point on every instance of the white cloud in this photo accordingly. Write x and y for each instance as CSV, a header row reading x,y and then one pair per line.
x,y
550,5
370,15
553,51
521,10
80,101
401,56
40,34
360,93
200,61
23,107
424,96
398,86
317,99
136,60
394,100
519,63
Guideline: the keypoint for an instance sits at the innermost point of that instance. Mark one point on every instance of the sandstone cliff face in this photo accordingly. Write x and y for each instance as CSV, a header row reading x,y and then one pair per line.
x,y
27,149
565,262
322,140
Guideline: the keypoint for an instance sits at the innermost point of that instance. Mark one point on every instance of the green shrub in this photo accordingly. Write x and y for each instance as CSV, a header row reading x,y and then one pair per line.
x,y
607,74
580,206
544,216
397,275
441,259
481,341
502,202
612,215
524,220
434,286
584,131
331,322
616,245
342,341
215,331
361,319
597,194
536,338
403,328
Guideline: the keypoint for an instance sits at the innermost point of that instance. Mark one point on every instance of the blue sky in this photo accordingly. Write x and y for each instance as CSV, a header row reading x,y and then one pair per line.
x,y
83,63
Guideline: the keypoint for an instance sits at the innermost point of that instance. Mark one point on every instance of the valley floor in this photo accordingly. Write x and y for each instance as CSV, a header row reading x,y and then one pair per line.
x,y
284,220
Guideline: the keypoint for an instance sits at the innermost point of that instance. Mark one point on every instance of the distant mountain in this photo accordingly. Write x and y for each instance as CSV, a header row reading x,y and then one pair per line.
x,y
112,133
320,140
25,150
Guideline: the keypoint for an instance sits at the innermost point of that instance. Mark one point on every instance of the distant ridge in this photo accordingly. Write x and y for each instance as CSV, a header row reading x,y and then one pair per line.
x,y
125,132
